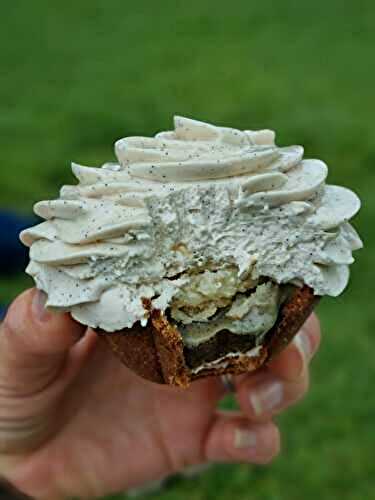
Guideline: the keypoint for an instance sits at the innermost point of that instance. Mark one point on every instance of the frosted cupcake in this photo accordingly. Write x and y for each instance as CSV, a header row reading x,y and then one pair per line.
x,y
200,252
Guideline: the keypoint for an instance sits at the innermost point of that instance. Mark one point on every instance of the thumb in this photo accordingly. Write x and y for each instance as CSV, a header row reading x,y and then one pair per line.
x,y
34,343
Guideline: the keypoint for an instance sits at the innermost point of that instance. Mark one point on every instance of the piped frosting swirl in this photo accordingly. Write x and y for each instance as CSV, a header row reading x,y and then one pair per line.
x,y
198,197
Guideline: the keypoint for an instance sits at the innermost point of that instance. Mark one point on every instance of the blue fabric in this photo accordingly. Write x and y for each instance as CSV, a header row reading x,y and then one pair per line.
x,y
13,255
3,311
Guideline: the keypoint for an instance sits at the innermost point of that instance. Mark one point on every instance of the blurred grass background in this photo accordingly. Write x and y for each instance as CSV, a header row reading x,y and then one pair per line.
x,y
76,76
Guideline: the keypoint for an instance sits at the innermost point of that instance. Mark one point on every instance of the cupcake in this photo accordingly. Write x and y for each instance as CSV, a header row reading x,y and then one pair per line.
x,y
201,252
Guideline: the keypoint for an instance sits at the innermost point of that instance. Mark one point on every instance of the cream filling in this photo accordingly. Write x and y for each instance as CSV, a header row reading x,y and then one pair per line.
x,y
224,361
205,292
253,314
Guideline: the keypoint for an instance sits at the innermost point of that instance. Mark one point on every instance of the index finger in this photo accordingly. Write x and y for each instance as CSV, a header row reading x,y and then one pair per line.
x,y
293,361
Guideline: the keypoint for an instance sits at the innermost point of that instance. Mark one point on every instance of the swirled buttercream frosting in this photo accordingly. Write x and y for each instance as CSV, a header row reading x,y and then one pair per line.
x,y
207,222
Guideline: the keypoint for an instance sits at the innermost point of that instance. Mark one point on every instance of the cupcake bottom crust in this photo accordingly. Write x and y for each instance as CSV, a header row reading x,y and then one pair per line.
x,y
157,353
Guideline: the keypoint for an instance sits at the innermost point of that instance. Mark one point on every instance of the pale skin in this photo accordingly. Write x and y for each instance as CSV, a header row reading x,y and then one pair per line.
x,y
74,422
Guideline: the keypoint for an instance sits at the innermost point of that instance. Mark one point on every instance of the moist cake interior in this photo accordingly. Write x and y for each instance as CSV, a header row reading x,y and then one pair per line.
x,y
217,315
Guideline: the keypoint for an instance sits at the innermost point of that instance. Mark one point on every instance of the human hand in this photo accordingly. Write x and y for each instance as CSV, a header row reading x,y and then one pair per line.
x,y
74,422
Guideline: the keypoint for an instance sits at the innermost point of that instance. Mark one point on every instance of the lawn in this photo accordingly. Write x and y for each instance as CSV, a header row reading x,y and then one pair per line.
x,y
77,76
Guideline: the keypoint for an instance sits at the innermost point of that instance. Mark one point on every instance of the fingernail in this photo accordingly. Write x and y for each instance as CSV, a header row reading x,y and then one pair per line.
x,y
39,306
266,397
303,344
244,438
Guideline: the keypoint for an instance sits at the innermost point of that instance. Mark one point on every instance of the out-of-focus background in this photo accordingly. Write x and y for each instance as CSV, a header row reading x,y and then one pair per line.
x,y
76,76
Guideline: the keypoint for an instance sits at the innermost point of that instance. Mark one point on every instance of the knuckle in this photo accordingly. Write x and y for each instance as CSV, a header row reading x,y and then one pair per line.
x,y
307,342
9,327
267,459
271,447
12,330
303,393
16,321
300,390
313,331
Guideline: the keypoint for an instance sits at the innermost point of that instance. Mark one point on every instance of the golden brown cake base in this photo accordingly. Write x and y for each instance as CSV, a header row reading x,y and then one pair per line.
x,y
156,352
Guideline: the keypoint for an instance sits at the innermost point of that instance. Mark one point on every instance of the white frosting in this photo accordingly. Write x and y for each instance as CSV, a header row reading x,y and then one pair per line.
x,y
195,197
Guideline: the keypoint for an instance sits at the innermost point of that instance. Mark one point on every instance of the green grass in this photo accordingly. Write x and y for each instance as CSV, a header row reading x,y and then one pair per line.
x,y
77,76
